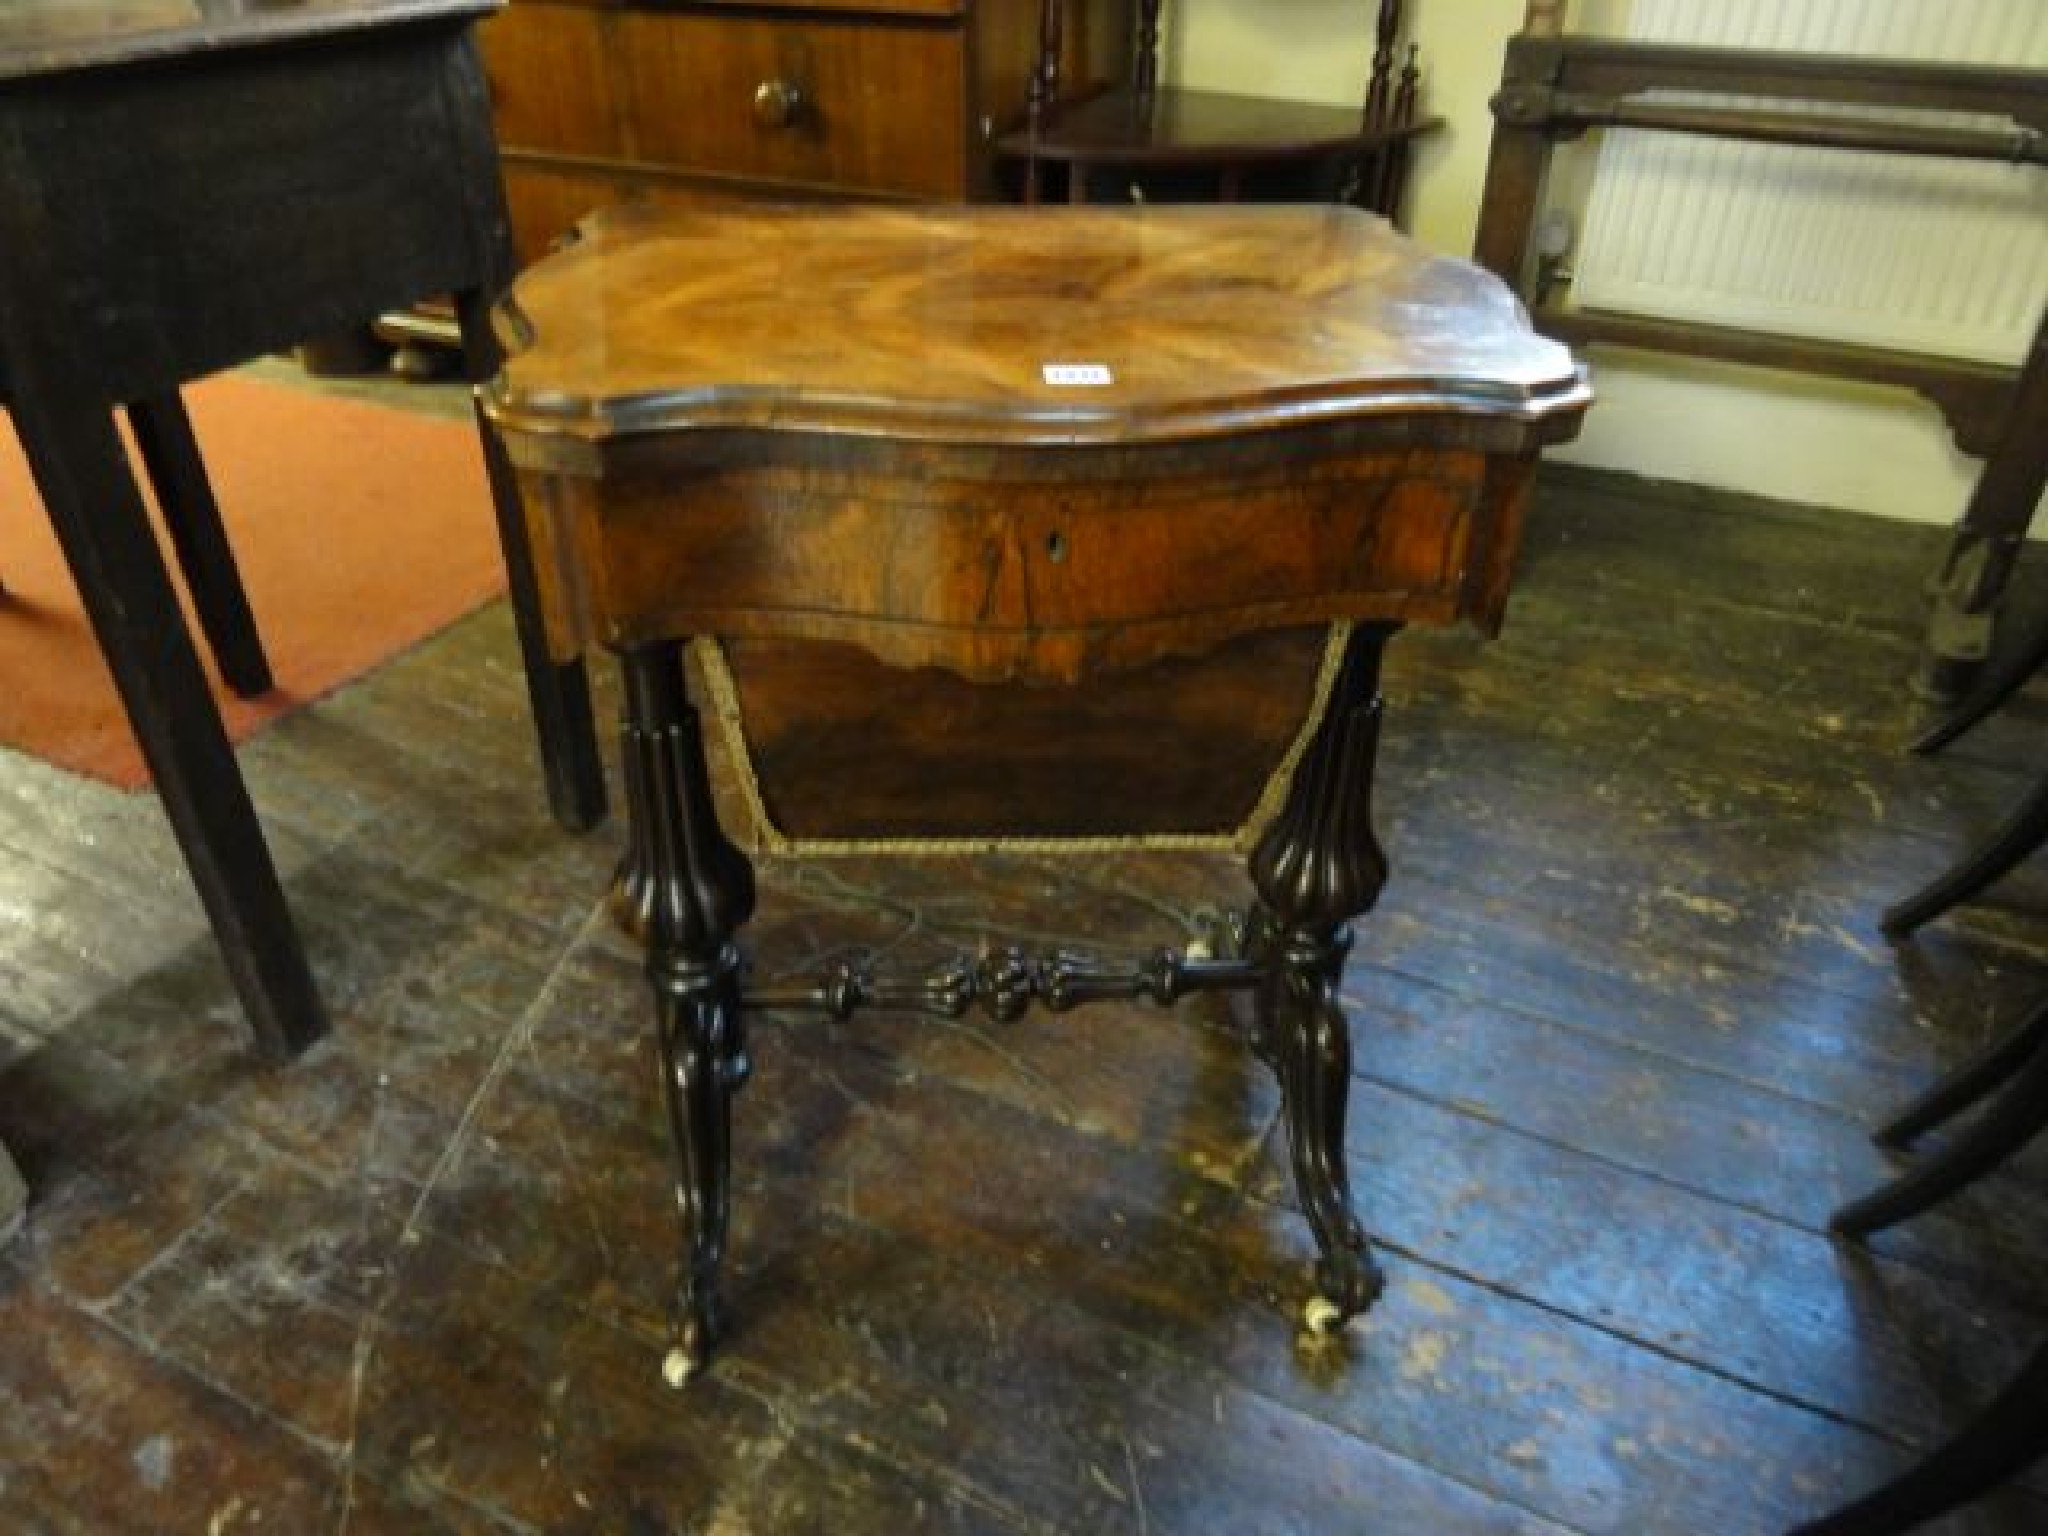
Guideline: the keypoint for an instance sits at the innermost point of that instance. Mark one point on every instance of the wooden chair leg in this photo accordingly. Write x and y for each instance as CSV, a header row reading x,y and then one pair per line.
x,y
1968,1083
170,453
2011,1120
2006,677
2006,1438
2022,832
1987,540
2011,1433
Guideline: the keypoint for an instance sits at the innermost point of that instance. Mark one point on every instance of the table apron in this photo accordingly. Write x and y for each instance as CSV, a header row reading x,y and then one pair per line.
x,y
242,204
1048,578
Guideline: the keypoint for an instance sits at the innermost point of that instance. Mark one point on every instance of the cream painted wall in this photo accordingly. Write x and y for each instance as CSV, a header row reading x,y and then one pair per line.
x,y
1771,434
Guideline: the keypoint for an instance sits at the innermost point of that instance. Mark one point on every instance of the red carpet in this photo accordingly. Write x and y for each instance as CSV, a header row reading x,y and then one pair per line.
x,y
360,531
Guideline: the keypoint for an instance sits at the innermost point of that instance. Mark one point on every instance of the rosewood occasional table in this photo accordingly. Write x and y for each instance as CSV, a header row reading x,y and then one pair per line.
x,y
938,483
185,184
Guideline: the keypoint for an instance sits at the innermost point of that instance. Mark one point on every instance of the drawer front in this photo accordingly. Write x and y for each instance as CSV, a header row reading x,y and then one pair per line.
x,y
552,82
873,104
1040,566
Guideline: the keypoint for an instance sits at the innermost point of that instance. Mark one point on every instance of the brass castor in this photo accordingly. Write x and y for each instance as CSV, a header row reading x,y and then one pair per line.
x,y
1322,1316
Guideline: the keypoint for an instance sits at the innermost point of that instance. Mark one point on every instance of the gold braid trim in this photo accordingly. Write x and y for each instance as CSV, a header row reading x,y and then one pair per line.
x,y
768,838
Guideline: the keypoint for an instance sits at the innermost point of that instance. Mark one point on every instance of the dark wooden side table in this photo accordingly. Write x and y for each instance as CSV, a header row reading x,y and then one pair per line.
x,y
997,451
185,184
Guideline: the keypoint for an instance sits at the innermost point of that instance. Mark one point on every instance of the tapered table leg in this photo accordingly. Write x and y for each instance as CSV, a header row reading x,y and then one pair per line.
x,y
698,890
558,692
1316,867
81,471
170,452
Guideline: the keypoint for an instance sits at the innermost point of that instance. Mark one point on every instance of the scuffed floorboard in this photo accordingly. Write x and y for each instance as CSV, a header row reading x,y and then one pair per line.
x,y
1623,1017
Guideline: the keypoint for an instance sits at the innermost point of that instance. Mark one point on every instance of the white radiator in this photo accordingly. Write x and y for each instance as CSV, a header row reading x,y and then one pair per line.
x,y
1926,255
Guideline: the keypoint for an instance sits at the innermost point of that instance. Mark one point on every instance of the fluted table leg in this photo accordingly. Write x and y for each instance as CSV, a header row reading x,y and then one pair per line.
x,y
1316,867
696,890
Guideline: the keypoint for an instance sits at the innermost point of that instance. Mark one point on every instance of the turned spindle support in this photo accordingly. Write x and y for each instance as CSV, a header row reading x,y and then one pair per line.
x,y
689,892
1316,868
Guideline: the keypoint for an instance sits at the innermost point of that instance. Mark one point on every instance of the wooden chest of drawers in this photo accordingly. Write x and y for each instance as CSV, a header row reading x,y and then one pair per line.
x,y
598,101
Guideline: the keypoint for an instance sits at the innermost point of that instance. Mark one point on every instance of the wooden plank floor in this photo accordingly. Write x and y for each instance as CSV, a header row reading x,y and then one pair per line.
x,y
1623,1017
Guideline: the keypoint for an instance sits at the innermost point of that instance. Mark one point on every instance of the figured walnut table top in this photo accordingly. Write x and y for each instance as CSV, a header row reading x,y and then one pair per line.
x,y
953,326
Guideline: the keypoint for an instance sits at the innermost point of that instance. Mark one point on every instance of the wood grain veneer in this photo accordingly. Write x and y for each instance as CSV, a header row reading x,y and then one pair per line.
x,y
939,328
606,101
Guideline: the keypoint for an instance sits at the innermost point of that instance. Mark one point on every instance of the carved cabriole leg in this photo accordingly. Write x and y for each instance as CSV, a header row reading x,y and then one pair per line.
x,y
694,890
1316,867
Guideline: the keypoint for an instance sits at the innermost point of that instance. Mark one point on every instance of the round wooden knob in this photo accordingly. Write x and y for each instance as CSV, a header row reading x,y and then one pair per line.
x,y
777,103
